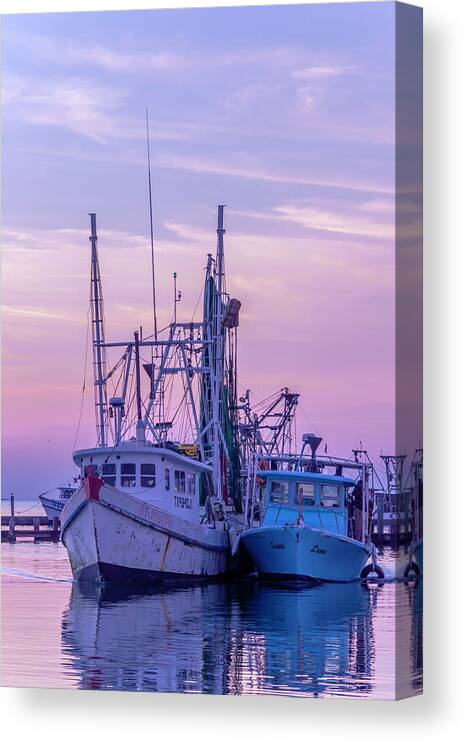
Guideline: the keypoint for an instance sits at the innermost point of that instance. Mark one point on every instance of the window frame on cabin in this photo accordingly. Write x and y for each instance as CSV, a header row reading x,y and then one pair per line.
x,y
191,486
179,481
277,496
146,477
308,497
128,480
109,477
332,501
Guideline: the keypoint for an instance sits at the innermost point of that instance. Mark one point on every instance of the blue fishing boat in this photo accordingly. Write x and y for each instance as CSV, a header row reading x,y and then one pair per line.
x,y
309,523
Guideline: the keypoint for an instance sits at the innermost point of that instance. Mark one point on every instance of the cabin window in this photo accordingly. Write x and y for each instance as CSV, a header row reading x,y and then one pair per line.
x,y
179,480
147,475
190,484
330,496
109,474
167,479
305,494
278,492
127,475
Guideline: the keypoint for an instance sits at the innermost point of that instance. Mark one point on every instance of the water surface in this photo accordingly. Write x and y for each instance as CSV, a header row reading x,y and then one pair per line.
x,y
240,638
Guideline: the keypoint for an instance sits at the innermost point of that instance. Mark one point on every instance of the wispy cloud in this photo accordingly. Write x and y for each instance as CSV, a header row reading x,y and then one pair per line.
x,y
254,172
67,53
349,224
82,106
306,98
322,72
39,313
132,62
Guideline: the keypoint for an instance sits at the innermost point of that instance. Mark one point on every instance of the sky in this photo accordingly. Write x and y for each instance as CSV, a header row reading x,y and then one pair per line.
x,y
284,114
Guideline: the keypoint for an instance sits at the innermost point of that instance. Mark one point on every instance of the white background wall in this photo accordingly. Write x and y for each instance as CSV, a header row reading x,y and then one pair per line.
x,y
72,715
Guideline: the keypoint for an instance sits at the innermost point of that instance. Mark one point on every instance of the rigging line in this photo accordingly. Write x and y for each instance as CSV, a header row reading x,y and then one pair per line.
x,y
118,382
197,304
20,512
83,382
180,406
114,369
155,326
316,430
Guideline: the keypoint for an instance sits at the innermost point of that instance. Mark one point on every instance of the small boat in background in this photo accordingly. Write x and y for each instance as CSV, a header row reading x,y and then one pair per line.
x,y
53,506
309,523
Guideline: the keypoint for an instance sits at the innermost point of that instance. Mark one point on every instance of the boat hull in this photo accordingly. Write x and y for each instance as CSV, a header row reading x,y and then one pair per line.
x,y
53,508
305,553
117,538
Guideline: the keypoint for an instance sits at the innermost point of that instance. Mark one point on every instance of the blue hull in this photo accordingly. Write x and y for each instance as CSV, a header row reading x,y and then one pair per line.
x,y
303,552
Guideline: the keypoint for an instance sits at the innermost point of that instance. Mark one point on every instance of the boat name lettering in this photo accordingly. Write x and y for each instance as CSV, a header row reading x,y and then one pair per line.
x,y
277,546
155,516
183,502
317,550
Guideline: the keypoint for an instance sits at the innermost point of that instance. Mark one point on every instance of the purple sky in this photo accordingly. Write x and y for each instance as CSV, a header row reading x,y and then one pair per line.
x,y
285,114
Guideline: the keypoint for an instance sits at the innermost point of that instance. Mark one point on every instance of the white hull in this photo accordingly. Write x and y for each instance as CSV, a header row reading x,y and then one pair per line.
x,y
53,508
115,537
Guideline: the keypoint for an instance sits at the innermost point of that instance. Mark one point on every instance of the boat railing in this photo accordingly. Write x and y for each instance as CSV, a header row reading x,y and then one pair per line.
x,y
294,459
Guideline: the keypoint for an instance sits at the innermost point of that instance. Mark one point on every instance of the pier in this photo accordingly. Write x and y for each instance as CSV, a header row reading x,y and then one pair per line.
x,y
36,528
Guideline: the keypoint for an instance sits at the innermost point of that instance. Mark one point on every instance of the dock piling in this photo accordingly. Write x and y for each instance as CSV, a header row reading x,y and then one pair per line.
x,y
56,530
11,531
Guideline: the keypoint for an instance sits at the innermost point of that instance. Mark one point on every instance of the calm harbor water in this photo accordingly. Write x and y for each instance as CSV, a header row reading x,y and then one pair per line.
x,y
236,638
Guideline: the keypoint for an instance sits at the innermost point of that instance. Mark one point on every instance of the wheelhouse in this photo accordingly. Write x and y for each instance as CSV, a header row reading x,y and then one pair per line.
x,y
155,475
65,493
318,500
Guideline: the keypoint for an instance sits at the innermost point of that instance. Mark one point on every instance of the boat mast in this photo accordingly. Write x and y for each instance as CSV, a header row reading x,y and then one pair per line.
x,y
140,427
218,357
98,337
137,377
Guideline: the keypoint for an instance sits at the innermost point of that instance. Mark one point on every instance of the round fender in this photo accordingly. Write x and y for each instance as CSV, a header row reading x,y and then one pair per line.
x,y
411,567
369,568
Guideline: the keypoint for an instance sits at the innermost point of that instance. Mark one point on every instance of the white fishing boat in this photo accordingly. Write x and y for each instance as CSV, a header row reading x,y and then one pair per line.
x,y
54,503
149,509
128,531
304,522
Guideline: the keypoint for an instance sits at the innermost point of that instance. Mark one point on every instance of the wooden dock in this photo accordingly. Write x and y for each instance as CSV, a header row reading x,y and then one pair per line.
x,y
29,527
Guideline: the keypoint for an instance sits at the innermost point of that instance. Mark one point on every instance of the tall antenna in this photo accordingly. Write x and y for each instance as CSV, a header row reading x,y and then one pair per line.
x,y
155,326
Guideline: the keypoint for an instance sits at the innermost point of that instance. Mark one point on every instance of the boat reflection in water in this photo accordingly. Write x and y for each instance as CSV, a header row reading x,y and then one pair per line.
x,y
233,638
